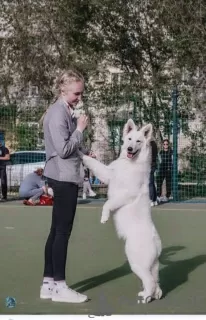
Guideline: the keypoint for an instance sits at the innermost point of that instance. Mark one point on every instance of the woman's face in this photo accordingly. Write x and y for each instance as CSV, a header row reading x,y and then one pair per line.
x,y
166,145
72,92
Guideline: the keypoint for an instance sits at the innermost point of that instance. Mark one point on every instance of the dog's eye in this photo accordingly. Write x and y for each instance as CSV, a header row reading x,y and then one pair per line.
x,y
138,141
130,138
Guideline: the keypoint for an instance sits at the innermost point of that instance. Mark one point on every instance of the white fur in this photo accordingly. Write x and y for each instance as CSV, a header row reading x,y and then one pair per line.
x,y
128,199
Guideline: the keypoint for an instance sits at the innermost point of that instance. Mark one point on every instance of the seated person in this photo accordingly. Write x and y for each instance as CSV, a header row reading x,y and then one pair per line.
x,y
87,189
33,186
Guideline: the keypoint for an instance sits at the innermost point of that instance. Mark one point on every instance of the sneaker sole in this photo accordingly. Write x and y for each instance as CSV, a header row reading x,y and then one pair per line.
x,y
67,301
45,297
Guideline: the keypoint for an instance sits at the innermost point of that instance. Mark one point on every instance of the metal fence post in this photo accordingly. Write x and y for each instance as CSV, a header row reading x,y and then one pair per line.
x,y
175,144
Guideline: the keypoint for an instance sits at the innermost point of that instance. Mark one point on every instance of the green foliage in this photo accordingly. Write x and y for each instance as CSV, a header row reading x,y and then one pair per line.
x,y
8,116
8,111
194,156
115,136
26,137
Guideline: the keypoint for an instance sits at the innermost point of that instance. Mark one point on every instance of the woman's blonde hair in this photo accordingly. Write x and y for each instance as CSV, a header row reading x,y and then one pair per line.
x,y
66,78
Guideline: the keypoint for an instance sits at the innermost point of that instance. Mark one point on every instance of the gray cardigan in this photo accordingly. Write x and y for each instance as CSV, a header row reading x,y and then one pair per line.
x,y
62,142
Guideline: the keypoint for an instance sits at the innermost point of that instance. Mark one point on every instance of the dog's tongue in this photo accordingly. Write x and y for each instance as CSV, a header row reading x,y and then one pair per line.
x,y
129,155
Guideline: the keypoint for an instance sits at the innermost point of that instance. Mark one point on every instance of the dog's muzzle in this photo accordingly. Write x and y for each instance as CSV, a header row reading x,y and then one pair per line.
x,y
130,153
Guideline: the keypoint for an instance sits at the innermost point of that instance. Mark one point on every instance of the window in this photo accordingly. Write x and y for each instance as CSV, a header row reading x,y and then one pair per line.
x,y
99,78
115,78
33,91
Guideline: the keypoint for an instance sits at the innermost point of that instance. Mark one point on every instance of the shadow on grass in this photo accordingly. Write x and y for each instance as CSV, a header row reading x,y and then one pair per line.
x,y
173,274
95,281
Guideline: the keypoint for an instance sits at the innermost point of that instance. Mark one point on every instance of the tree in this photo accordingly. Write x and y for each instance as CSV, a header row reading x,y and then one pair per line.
x,y
154,42
42,37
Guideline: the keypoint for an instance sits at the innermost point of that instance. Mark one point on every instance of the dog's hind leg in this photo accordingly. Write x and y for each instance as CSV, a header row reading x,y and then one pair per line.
x,y
101,171
143,272
155,273
148,283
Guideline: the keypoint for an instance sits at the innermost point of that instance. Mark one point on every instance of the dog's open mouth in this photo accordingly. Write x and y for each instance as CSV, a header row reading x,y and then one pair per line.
x,y
131,154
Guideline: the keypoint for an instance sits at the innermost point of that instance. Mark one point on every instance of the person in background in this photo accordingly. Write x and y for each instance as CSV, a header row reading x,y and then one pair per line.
x,y
87,189
4,157
33,186
152,187
165,171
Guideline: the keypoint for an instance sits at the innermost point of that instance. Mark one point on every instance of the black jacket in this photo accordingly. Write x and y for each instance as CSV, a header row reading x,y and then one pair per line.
x,y
154,154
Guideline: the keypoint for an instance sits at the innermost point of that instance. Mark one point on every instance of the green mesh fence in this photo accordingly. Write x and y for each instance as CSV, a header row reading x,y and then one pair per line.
x,y
173,112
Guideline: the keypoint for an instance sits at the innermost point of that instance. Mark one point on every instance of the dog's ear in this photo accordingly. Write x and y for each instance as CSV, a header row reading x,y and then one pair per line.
x,y
130,125
147,131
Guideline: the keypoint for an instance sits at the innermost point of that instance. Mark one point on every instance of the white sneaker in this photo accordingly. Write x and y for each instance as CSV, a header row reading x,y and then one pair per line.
x,y
155,203
165,199
159,200
65,294
84,196
46,291
92,193
152,204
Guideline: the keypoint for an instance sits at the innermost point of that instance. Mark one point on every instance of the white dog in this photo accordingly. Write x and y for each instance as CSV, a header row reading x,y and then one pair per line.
x,y
128,198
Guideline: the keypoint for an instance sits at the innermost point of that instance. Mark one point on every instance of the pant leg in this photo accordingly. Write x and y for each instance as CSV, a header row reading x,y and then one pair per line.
x,y
48,258
64,208
159,180
3,177
34,194
168,183
152,187
86,186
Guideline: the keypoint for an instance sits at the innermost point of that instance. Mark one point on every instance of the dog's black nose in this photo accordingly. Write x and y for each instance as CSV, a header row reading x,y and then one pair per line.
x,y
129,149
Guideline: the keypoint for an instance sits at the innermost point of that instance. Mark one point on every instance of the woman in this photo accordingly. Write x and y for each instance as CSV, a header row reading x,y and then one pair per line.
x,y
63,135
87,189
165,171
32,187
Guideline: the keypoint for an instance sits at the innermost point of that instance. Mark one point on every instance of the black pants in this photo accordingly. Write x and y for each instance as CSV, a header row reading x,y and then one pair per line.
x,y
167,175
152,187
3,178
64,208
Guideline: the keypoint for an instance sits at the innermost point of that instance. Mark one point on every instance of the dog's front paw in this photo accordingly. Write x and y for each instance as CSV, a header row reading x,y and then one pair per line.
x,y
104,219
105,216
